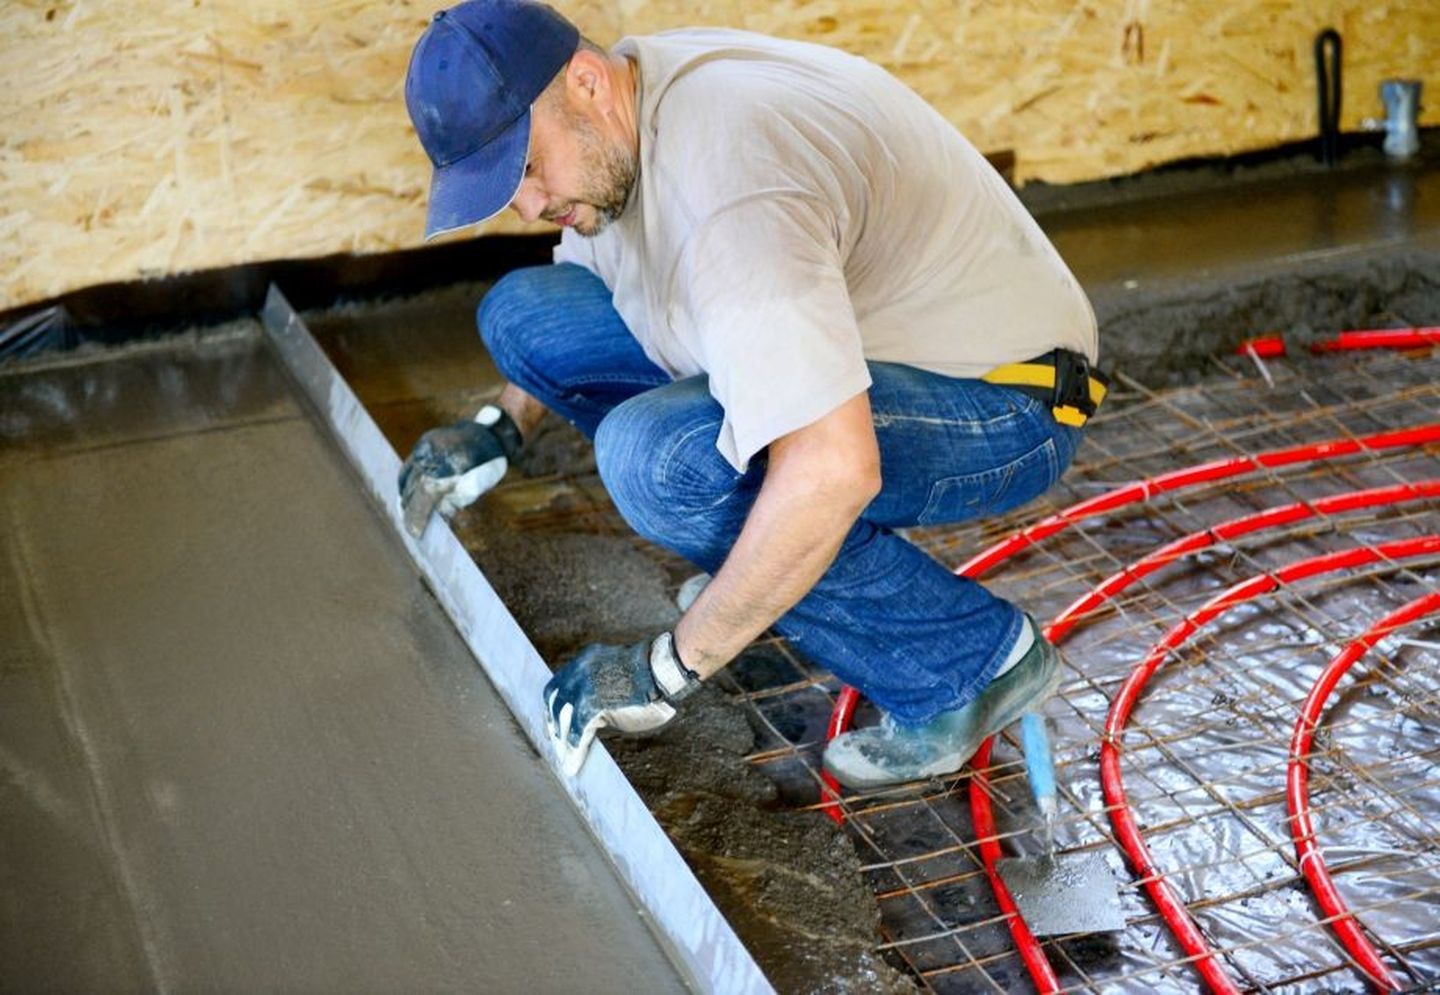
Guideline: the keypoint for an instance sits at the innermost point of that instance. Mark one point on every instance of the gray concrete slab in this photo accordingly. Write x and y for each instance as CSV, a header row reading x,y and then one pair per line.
x,y
240,746
1236,227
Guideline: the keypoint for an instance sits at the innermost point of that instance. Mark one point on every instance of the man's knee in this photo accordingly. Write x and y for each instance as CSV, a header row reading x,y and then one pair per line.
x,y
626,458
656,454
508,316
527,318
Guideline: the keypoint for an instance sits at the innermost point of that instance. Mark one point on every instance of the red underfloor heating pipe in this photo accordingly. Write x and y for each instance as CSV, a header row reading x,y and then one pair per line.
x,y
1122,818
1038,965
1297,791
1267,519
1194,476
1380,338
982,817
1273,346
1270,518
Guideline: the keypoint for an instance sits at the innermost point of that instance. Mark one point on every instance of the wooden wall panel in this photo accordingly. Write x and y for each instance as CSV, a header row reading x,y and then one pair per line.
x,y
158,136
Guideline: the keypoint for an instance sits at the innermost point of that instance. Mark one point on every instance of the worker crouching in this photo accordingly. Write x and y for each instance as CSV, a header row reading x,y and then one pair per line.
x,y
797,312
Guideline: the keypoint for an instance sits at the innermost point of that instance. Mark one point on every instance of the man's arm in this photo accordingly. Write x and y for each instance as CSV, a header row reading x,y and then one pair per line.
x,y
523,409
818,481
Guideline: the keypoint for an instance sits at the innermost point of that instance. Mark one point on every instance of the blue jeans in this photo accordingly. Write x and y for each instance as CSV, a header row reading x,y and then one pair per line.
x,y
885,617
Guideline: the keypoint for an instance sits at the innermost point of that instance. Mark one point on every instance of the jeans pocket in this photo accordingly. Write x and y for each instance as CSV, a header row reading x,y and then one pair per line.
x,y
992,491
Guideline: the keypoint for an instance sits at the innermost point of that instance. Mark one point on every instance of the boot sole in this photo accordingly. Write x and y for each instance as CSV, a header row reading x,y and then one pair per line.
x,y
950,765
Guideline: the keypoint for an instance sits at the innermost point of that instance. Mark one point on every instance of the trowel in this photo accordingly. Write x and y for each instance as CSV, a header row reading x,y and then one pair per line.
x,y
418,501
1057,893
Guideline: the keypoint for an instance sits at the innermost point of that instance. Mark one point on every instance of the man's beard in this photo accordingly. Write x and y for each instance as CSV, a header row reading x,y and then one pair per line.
x,y
612,172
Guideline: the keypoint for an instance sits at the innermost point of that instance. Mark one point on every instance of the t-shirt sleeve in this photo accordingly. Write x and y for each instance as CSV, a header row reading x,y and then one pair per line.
x,y
762,301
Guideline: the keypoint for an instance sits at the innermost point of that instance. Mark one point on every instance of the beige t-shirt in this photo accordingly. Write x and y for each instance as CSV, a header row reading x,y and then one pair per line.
x,y
799,211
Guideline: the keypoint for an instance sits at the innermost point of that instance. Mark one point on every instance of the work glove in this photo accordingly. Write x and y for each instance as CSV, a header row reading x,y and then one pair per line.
x,y
630,688
450,467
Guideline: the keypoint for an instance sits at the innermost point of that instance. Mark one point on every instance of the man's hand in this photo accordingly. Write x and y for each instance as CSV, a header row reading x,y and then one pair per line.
x,y
630,688
450,467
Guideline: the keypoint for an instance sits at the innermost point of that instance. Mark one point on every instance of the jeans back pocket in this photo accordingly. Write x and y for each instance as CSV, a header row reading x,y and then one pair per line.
x,y
994,490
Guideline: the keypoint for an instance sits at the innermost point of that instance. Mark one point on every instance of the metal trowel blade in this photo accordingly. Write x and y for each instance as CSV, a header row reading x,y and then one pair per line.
x,y
1066,893
418,503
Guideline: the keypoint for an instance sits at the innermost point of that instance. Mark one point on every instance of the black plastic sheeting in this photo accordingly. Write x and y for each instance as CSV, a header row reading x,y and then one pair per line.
x,y
46,330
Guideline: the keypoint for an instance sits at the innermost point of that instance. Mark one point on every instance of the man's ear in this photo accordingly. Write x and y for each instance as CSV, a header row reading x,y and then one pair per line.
x,y
587,80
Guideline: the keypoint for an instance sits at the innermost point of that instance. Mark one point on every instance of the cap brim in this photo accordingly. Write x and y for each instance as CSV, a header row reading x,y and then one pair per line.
x,y
474,189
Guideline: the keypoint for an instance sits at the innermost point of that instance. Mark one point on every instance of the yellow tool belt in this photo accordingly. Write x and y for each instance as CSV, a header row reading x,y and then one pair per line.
x,y
1062,378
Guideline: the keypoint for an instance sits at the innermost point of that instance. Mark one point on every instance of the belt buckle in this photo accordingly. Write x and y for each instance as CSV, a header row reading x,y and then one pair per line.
x,y
1070,400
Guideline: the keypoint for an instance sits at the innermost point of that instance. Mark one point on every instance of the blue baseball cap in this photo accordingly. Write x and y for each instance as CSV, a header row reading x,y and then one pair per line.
x,y
473,76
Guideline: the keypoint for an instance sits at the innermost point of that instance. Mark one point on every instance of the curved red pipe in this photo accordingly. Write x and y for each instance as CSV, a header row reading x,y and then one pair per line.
x,y
1297,791
1120,497
1192,941
1273,346
1204,473
1224,532
840,717
983,817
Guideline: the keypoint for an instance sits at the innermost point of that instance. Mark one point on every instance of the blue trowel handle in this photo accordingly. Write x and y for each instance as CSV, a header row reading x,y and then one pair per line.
x,y
1039,763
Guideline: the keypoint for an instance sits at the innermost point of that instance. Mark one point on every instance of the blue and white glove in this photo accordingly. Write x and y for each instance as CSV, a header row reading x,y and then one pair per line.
x,y
630,688
450,467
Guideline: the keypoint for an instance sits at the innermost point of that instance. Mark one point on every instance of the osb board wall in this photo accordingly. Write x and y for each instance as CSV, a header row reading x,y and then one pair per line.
x,y
159,136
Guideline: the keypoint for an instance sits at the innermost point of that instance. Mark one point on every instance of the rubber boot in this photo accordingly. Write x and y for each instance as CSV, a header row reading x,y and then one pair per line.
x,y
891,753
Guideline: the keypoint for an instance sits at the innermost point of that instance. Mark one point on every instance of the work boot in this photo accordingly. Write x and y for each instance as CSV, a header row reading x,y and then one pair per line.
x,y
891,753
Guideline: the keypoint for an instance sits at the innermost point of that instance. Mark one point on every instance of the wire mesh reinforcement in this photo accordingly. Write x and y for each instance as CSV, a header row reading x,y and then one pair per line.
x,y
1307,851
1208,748
1172,909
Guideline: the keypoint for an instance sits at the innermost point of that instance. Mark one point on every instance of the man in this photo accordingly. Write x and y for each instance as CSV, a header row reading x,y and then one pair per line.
x,y
781,280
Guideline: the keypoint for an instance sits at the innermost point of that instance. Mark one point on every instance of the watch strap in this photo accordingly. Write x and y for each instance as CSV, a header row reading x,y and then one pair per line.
x,y
672,678
498,420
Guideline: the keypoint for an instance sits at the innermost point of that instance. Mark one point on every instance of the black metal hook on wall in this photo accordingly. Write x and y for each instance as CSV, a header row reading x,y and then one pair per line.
x,y
1327,84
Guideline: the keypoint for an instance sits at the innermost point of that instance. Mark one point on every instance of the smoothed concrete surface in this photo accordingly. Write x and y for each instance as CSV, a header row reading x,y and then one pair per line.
x,y
241,747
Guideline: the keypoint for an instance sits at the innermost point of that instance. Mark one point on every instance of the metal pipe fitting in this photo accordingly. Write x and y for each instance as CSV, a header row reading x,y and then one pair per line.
x,y
1402,110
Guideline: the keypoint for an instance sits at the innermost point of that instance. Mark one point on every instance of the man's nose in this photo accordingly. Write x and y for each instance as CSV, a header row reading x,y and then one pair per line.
x,y
529,200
